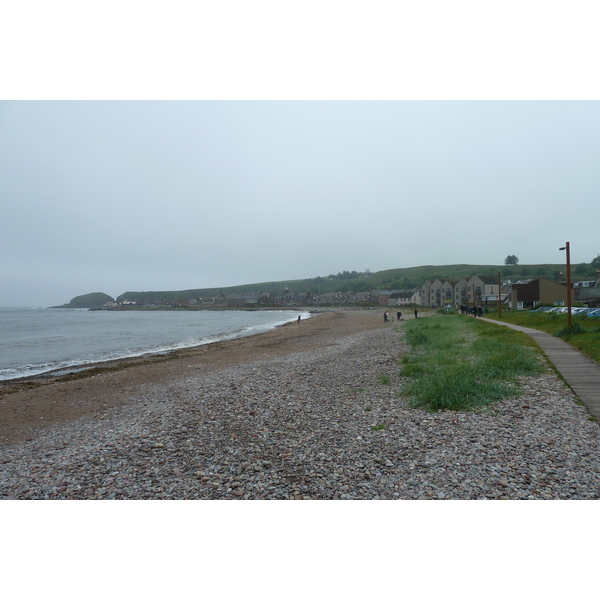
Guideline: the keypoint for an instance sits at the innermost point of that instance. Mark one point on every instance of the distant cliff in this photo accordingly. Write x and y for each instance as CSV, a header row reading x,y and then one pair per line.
x,y
92,300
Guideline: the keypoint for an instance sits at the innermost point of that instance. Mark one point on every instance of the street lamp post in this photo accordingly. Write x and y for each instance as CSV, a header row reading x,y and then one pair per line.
x,y
568,249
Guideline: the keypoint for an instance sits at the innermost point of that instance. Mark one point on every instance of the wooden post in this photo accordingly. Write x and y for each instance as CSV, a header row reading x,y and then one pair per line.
x,y
499,296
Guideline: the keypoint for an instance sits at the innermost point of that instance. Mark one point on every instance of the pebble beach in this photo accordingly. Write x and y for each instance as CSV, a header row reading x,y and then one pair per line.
x,y
311,411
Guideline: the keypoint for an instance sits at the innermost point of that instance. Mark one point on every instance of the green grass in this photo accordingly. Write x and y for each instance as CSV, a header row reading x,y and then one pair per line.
x,y
458,364
584,333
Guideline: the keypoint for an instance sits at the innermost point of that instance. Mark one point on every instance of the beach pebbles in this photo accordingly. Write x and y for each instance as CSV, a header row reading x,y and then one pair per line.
x,y
316,424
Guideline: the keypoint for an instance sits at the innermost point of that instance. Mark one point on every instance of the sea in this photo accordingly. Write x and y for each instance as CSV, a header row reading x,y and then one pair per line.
x,y
42,340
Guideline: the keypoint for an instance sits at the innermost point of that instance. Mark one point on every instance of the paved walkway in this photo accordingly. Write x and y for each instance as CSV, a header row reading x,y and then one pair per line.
x,y
581,373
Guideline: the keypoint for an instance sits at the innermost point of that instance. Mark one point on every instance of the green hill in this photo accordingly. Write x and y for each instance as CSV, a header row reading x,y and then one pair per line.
x,y
92,300
404,278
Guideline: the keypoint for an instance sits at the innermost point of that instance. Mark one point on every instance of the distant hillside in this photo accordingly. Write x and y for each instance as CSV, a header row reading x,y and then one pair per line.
x,y
92,300
405,278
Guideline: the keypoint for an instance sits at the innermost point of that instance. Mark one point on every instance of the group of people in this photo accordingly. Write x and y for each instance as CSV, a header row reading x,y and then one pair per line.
x,y
386,317
475,311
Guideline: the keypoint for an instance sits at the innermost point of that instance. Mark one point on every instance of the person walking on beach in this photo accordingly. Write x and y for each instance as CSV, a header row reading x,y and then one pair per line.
x,y
398,316
298,319
385,317
416,314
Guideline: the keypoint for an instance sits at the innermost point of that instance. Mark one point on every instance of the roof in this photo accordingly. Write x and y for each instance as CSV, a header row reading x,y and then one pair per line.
x,y
588,293
486,278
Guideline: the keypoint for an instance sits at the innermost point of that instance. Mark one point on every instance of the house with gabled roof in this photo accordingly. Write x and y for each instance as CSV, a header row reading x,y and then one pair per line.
x,y
383,296
480,286
460,291
405,298
425,289
447,293
435,298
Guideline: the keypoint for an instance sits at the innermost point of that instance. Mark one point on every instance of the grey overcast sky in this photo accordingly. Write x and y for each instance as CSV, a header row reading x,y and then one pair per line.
x,y
117,196
142,195
113,192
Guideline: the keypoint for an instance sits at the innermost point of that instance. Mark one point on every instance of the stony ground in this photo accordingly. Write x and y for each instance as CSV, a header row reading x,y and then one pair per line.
x,y
312,423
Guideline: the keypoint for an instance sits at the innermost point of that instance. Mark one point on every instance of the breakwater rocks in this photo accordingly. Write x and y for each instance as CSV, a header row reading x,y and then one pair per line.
x,y
314,424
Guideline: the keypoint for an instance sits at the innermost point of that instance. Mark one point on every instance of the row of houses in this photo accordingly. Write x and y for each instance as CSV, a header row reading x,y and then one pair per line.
x,y
288,298
486,290
479,289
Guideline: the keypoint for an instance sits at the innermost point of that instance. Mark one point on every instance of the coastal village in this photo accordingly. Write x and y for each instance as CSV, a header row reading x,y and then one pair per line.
x,y
481,290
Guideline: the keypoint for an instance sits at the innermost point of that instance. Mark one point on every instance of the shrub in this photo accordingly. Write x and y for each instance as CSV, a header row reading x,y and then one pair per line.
x,y
574,329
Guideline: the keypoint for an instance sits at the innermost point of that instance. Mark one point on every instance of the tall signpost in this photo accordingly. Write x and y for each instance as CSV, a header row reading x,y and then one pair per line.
x,y
568,249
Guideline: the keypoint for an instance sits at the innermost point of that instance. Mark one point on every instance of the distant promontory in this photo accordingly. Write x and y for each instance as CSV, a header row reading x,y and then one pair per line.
x,y
93,300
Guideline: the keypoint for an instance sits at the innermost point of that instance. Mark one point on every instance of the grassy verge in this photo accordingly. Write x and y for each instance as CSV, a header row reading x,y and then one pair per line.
x,y
457,363
584,334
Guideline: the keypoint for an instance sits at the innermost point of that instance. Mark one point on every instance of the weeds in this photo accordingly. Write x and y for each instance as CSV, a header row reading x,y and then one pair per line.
x,y
457,364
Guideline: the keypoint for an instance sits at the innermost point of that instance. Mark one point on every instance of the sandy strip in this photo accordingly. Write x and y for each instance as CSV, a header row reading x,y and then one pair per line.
x,y
25,412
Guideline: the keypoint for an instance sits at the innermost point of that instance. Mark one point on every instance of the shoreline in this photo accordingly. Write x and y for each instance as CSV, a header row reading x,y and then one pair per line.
x,y
34,402
87,369
306,411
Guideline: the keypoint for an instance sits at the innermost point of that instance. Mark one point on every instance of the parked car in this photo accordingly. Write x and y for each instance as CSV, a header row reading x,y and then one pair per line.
x,y
594,313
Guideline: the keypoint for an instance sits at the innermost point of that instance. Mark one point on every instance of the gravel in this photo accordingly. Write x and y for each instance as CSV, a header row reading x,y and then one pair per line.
x,y
316,424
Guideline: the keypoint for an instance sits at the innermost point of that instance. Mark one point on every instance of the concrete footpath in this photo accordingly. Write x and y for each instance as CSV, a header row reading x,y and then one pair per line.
x,y
581,373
